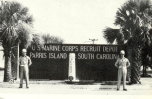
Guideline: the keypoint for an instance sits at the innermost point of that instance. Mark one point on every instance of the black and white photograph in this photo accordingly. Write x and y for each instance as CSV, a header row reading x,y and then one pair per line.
x,y
63,49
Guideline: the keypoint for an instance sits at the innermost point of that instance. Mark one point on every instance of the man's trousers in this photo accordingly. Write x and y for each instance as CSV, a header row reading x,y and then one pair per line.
x,y
122,72
24,73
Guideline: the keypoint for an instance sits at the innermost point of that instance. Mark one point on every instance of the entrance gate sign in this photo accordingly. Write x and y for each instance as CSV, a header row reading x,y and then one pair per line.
x,y
93,62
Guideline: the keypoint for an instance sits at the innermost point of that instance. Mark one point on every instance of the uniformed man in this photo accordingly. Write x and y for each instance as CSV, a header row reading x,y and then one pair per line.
x,y
122,63
24,62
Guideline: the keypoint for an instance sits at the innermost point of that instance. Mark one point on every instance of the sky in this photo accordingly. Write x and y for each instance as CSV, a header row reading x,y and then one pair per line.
x,y
75,21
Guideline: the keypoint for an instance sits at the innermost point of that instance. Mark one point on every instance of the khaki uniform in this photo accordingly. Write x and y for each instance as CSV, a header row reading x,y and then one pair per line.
x,y
122,64
24,63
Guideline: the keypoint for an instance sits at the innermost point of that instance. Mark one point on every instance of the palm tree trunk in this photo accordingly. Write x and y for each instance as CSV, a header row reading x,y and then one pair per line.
x,y
7,70
129,56
135,68
144,71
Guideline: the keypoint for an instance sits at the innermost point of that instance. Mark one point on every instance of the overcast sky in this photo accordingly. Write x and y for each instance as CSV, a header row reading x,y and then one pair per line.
x,y
73,20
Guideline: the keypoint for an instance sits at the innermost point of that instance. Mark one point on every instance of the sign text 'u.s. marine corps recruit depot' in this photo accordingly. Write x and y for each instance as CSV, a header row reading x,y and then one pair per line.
x,y
83,51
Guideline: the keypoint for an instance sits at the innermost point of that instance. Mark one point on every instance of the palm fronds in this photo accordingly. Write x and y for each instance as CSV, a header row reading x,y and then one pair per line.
x,y
24,34
110,34
12,14
120,36
48,39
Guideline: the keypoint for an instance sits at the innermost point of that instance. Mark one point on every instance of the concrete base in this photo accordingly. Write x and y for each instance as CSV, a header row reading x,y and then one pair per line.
x,y
73,81
79,81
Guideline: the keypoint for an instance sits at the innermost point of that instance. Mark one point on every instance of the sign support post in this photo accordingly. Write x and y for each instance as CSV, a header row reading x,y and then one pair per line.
x,y
72,68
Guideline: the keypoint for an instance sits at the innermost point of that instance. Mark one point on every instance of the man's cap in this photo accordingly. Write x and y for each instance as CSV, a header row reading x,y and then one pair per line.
x,y
122,52
24,50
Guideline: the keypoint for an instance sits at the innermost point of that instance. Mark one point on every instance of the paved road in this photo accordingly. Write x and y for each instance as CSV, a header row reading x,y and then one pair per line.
x,y
57,89
60,87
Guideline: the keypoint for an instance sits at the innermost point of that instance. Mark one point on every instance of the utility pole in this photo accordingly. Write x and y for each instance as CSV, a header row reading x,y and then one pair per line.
x,y
17,78
93,40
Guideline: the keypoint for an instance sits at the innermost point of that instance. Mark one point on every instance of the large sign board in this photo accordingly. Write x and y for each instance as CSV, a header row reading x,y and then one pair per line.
x,y
93,62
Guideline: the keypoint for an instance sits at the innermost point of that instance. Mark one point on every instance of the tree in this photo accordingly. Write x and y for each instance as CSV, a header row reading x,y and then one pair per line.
x,y
48,39
134,17
36,40
112,35
147,57
14,28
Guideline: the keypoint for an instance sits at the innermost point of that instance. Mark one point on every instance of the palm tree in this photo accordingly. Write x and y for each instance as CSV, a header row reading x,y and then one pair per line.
x,y
48,39
147,54
36,40
134,17
112,35
14,21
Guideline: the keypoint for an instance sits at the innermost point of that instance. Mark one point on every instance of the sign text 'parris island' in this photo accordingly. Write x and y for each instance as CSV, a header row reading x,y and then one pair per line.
x,y
57,51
